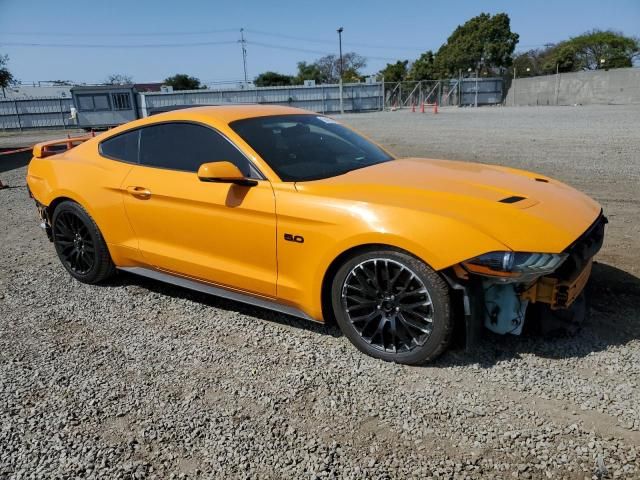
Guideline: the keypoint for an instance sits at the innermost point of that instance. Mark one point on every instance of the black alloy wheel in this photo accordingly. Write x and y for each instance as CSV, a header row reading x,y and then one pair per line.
x,y
79,244
74,243
393,306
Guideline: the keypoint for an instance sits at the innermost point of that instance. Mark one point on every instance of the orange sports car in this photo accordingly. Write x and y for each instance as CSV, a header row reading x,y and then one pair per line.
x,y
290,210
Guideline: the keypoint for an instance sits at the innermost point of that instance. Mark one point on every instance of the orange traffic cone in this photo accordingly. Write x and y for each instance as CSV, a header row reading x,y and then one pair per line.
x,y
435,107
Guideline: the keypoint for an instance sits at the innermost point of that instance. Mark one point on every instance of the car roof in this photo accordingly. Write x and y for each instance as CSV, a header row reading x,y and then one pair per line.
x,y
227,113
218,114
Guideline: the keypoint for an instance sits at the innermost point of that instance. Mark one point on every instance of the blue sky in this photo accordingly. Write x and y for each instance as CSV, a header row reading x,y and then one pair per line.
x,y
279,33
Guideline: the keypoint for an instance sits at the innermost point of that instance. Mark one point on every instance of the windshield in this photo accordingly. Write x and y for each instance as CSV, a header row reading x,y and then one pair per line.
x,y
308,147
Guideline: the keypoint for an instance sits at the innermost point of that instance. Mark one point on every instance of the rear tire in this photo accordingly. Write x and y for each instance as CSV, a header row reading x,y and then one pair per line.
x,y
80,245
392,306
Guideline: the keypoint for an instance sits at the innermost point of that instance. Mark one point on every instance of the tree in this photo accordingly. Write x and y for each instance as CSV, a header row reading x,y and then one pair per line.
x,y
484,42
527,64
119,79
309,71
586,51
424,67
394,72
182,81
65,83
352,63
273,79
6,77
583,52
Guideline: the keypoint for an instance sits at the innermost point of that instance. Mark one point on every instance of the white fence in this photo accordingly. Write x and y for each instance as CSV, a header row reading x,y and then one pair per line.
x,y
357,97
35,113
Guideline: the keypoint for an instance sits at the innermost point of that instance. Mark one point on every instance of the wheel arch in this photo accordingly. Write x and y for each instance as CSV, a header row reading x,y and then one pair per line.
x,y
57,201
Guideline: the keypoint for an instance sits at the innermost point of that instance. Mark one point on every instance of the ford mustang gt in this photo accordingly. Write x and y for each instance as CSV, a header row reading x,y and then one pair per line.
x,y
290,210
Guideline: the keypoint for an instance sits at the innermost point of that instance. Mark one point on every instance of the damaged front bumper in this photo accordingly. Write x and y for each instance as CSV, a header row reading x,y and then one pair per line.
x,y
502,306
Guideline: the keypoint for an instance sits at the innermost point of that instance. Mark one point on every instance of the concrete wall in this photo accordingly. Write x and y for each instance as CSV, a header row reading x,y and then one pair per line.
x,y
618,87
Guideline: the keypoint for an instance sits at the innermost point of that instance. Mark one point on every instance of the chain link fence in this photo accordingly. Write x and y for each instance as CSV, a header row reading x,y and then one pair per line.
x,y
445,93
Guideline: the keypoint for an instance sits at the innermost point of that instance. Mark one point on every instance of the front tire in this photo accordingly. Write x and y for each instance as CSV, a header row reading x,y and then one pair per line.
x,y
392,306
80,245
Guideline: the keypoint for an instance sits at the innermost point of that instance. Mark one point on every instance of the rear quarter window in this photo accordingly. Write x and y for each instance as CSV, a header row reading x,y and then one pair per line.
x,y
123,147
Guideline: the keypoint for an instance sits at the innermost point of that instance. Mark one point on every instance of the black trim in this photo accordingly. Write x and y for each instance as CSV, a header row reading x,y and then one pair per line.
x,y
583,249
512,199
473,307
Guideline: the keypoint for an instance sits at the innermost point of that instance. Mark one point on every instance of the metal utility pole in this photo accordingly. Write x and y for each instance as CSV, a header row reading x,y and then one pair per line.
x,y
243,42
476,102
340,30
514,85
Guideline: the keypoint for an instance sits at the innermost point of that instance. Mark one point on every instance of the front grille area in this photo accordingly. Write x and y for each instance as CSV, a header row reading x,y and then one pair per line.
x,y
582,250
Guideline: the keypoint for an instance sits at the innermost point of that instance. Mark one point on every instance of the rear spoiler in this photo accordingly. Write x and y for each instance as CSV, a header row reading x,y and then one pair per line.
x,y
54,147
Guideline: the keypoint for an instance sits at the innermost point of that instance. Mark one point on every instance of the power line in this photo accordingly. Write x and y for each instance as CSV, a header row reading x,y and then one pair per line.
x,y
112,34
137,45
317,52
182,45
183,33
328,42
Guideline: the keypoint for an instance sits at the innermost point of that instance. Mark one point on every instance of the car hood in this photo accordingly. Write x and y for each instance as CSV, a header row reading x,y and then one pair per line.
x,y
522,210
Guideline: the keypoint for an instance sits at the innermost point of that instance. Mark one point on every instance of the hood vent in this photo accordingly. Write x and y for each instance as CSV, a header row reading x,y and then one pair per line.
x,y
512,199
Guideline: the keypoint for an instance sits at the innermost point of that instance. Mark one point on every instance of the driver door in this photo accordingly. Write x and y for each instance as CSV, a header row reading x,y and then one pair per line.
x,y
217,232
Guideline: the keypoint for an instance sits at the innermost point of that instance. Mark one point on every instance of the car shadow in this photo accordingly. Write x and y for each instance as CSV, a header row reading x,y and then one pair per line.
x,y
13,160
125,278
613,320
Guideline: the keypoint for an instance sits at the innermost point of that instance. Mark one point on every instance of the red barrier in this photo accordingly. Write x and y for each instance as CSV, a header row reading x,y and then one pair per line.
x,y
434,105
17,150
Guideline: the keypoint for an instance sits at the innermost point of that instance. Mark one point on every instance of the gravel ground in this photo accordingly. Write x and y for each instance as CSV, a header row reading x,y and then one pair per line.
x,y
135,379
11,139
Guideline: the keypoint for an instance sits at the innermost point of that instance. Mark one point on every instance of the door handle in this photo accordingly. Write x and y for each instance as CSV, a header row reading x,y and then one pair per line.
x,y
139,192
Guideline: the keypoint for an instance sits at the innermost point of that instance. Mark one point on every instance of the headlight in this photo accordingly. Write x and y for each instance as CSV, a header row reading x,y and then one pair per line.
x,y
515,266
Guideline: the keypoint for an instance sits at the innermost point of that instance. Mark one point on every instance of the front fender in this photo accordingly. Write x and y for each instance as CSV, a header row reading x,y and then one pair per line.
x,y
331,227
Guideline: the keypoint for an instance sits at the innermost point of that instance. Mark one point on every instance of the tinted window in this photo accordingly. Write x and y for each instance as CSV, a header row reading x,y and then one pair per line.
x,y
101,102
184,146
89,103
85,102
308,147
122,147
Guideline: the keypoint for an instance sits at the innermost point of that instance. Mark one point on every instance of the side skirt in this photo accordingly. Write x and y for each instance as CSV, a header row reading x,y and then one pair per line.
x,y
218,291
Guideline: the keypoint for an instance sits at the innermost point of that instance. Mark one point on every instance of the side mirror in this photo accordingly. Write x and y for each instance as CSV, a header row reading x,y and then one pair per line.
x,y
223,172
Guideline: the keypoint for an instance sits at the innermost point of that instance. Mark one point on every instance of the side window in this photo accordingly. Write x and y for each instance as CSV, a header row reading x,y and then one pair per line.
x,y
121,101
186,146
122,147
93,103
101,102
85,102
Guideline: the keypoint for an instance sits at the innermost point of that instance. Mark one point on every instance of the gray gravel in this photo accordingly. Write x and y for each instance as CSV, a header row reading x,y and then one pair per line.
x,y
136,379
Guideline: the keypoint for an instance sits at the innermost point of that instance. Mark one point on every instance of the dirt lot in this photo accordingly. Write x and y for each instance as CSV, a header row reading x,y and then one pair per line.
x,y
137,379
